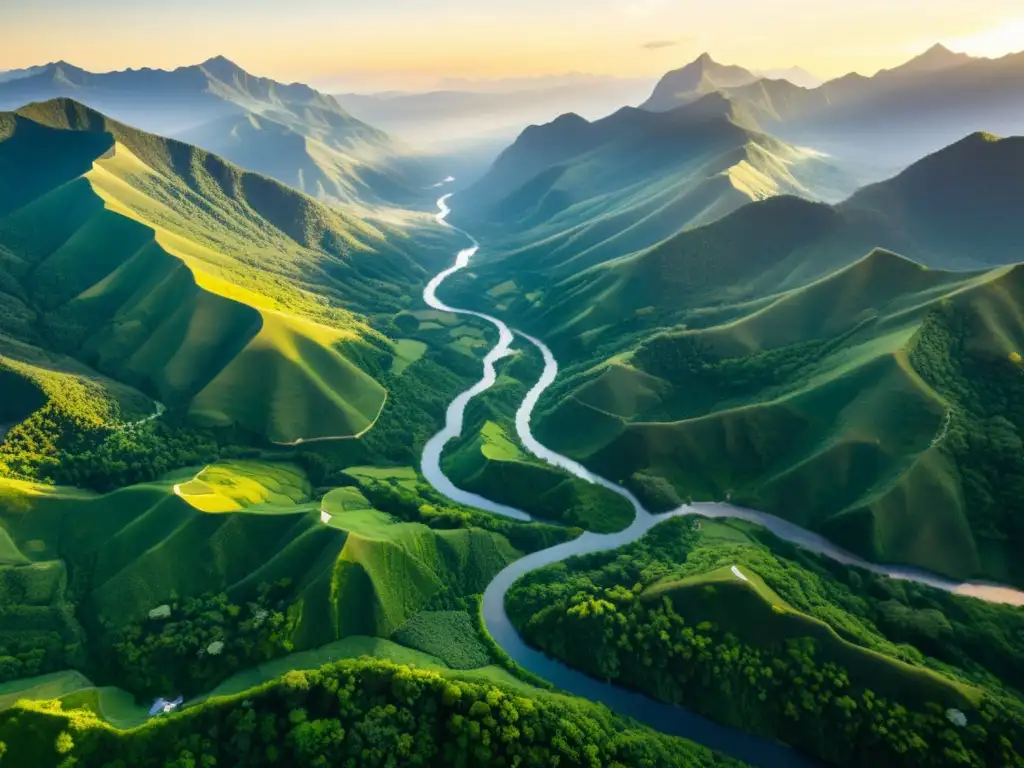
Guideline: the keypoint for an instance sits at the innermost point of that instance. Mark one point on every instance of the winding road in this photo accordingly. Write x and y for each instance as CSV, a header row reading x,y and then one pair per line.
x,y
670,719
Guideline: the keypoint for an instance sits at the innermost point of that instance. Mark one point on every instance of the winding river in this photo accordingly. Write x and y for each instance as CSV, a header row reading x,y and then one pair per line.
x,y
670,719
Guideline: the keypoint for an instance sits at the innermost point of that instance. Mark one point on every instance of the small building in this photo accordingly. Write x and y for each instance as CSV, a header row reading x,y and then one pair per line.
x,y
163,707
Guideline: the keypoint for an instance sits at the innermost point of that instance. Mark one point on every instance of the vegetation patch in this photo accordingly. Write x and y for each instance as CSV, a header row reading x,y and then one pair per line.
x,y
729,621
197,643
249,485
407,352
449,635
373,713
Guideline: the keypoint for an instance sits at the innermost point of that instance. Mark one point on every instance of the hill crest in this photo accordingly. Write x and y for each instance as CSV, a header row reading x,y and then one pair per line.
x,y
703,75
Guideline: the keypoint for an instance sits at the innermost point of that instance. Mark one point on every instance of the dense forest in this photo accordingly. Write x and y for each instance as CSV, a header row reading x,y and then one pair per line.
x,y
77,434
360,714
38,630
985,431
423,504
868,691
707,381
195,643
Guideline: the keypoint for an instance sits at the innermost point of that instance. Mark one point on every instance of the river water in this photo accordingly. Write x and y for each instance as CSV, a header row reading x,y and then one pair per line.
x,y
670,719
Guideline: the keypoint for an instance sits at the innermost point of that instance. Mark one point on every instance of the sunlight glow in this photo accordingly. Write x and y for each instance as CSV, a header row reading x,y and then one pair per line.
x,y
995,42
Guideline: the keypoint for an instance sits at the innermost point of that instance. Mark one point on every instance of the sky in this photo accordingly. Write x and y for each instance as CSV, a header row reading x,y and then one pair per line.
x,y
418,43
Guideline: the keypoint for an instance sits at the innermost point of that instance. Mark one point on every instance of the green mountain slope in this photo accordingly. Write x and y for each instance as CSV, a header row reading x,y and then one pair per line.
x,y
722,617
571,194
176,272
289,132
822,407
951,210
956,206
361,573
765,358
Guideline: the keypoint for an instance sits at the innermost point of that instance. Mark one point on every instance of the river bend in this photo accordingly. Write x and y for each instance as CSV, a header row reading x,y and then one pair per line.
x,y
667,718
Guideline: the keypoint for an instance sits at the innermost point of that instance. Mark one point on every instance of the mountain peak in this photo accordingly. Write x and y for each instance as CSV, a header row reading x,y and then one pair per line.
x,y
220,61
570,118
936,58
64,72
700,76
64,113
221,67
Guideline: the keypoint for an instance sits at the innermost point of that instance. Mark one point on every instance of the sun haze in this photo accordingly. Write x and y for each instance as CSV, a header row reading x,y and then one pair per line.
x,y
403,43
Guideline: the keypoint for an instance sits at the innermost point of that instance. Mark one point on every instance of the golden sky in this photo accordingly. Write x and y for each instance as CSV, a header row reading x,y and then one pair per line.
x,y
414,43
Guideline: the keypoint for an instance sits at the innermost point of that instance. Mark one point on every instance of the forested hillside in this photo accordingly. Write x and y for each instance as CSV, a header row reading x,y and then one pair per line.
x,y
224,296
850,668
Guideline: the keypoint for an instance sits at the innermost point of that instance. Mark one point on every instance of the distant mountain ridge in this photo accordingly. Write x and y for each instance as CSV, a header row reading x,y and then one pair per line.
x,y
796,75
573,193
883,122
312,143
853,368
443,117
955,210
15,74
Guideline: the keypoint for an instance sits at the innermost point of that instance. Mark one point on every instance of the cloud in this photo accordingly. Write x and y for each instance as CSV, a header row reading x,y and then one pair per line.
x,y
655,45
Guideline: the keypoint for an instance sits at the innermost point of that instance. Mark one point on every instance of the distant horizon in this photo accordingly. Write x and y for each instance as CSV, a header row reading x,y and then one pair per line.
x,y
403,45
337,83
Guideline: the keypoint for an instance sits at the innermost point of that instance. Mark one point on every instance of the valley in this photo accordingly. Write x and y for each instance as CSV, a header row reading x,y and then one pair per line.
x,y
681,434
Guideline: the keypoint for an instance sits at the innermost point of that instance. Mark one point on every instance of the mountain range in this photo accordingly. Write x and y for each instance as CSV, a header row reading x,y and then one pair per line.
x,y
177,273
219,378
573,192
796,75
882,122
291,133
15,74
682,355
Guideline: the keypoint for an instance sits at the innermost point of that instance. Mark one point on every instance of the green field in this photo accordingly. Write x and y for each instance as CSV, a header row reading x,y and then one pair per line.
x,y
75,691
407,352
405,476
249,485
449,635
